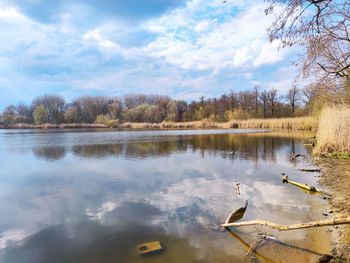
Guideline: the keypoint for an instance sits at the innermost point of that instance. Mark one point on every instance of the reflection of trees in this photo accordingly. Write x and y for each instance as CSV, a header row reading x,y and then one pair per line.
x,y
51,153
156,149
98,150
241,146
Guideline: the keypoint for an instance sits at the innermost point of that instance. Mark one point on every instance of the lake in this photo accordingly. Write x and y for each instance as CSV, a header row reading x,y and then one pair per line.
x,y
93,196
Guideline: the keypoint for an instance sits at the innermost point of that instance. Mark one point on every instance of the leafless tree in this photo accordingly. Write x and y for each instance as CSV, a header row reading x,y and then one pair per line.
x,y
322,27
54,105
272,97
293,97
256,100
264,99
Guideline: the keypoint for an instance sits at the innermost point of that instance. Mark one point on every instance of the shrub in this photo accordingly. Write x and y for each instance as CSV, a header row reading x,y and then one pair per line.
x,y
40,115
101,119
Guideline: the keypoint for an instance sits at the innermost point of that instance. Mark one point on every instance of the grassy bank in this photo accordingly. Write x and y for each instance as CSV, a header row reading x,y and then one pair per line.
x,y
204,124
55,126
333,135
301,123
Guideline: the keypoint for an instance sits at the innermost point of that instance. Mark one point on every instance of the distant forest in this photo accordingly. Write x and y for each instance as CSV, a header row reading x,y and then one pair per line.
x,y
156,108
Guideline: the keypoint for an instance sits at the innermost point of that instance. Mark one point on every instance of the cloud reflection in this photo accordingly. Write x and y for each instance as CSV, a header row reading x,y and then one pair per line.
x,y
98,195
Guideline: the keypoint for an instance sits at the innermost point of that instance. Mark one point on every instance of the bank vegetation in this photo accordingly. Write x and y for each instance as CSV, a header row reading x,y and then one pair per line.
x,y
333,135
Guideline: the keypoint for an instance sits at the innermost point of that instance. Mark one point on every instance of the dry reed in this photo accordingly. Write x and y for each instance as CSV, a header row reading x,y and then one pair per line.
x,y
300,123
56,126
333,134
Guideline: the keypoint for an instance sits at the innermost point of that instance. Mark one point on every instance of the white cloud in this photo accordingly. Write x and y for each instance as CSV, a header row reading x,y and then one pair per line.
x,y
105,208
248,75
238,41
9,13
11,237
269,54
203,48
95,35
202,26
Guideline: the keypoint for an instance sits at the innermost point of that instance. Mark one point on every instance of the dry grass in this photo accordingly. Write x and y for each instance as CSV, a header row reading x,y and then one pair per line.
x,y
333,135
57,126
300,123
292,134
176,125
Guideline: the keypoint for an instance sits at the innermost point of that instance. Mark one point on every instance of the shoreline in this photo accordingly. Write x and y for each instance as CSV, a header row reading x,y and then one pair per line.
x,y
335,177
298,123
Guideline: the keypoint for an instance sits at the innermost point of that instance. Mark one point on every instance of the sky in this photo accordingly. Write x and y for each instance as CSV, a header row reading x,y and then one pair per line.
x,y
181,48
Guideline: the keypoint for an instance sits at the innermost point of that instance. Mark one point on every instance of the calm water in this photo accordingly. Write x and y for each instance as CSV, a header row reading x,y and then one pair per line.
x,y
85,196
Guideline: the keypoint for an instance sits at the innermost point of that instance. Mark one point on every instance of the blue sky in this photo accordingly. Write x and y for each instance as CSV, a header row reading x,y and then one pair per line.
x,y
184,49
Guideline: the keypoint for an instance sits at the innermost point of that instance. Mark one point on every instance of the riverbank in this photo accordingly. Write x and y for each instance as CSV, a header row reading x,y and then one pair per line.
x,y
336,179
333,135
300,123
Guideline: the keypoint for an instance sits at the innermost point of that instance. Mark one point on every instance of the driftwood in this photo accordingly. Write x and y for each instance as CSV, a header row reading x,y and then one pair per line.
x,y
296,156
310,188
310,170
285,179
326,222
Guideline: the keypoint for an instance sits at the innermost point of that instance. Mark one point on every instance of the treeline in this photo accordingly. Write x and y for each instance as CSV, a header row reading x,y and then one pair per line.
x,y
156,108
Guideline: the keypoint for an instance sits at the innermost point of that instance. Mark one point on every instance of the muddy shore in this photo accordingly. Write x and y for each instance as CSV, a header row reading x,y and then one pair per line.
x,y
335,178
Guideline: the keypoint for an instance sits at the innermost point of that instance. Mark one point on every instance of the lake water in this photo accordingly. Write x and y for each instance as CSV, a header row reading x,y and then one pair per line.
x,y
87,196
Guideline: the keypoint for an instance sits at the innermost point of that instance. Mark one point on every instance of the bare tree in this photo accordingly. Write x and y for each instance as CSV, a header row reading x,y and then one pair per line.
x,y
293,97
322,27
202,101
24,113
181,107
9,114
256,100
264,99
308,93
54,105
88,108
233,100
272,97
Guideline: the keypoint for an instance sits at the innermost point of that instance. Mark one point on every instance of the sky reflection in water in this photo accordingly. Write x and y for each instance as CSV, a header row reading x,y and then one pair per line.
x,y
93,196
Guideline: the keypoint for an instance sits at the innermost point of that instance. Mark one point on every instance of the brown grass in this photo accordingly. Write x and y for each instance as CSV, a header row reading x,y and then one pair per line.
x,y
333,135
300,123
56,126
292,134
203,124
171,125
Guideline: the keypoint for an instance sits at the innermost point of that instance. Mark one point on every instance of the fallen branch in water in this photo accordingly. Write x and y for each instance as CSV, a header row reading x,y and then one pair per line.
x,y
296,156
326,222
309,144
310,188
310,170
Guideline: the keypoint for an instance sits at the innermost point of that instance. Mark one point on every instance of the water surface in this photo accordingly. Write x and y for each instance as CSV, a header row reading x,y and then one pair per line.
x,y
87,196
